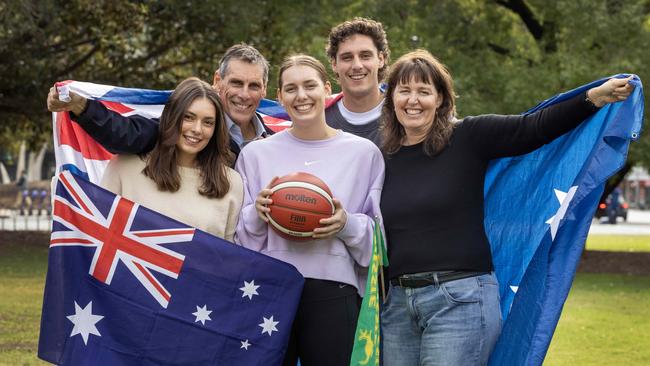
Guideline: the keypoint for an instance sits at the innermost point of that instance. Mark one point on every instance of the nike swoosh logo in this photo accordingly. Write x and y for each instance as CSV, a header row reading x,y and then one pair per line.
x,y
342,286
308,163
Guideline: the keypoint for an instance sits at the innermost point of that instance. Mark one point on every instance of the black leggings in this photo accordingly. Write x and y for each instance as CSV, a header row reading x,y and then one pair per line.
x,y
325,323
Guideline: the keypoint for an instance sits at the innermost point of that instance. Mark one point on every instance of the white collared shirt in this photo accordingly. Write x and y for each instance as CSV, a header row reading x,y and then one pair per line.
x,y
235,131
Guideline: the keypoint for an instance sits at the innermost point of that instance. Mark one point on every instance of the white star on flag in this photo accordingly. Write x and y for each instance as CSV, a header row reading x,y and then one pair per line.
x,y
84,321
564,198
249,289
202,314
269,325
514,289
245,345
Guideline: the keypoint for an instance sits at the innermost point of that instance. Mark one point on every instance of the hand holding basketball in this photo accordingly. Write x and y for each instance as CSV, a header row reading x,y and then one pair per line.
x,y
299,201
263,201
332,225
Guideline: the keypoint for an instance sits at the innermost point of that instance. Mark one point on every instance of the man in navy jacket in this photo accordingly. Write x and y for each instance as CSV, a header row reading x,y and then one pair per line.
x,y
240,80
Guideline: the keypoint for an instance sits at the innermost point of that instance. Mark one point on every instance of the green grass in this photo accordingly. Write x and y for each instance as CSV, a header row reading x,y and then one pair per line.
x,y
606,321
22,273
619,243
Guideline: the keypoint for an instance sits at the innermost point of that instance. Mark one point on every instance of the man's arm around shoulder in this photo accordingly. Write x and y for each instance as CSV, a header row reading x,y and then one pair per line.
x,y
118,134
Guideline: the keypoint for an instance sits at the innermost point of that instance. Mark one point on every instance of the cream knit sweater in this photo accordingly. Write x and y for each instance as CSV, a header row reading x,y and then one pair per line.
x,y
217,216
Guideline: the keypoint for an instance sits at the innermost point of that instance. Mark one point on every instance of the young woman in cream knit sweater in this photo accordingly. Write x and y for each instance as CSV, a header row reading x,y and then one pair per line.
x,y
187,175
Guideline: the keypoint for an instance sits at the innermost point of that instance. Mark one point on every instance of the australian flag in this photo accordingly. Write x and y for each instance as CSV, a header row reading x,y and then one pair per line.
x,y
538,208
128,286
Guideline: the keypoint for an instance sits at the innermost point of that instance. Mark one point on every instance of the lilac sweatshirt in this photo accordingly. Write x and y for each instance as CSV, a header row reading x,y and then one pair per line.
x,y
351,166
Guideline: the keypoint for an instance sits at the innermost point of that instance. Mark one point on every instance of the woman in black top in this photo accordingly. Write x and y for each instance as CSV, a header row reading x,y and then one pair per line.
x,y
443,303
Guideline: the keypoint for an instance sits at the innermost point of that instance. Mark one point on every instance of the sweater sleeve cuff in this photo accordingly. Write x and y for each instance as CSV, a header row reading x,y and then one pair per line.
x,y
252,222
355,224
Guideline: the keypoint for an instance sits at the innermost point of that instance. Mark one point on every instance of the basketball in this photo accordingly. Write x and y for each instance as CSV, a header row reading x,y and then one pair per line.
x,y
300,200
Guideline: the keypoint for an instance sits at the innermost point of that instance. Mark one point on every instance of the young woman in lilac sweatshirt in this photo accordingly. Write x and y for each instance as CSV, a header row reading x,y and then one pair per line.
x,y
334,263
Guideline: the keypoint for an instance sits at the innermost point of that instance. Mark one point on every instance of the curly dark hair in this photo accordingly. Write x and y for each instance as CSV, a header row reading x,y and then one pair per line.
x,y
213,161
419,66
363,26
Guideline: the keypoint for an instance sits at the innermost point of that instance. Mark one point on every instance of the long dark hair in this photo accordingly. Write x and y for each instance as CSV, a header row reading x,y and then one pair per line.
x,y
420,66
212,161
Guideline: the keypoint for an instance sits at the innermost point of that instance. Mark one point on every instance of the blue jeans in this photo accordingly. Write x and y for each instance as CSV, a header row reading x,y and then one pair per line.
x,y
453,323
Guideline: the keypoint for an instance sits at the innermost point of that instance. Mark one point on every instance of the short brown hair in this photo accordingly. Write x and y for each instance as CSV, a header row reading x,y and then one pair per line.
x,y
213,160
302,60
364,26
420,66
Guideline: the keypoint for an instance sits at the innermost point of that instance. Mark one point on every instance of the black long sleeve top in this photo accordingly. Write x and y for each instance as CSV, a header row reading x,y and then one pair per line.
x,y
432,206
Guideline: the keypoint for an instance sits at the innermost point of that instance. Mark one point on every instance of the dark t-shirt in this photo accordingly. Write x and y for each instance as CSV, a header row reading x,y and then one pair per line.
x,y
368,130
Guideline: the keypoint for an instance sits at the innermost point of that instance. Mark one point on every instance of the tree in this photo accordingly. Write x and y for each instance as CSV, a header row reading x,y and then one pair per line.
x,y
143,44
505,55
508,55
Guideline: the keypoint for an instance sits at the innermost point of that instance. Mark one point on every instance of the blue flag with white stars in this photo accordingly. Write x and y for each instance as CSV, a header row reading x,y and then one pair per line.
x,y
538,209
128,286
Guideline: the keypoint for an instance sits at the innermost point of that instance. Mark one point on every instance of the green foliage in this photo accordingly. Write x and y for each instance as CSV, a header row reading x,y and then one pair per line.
x,y
506,60
505,55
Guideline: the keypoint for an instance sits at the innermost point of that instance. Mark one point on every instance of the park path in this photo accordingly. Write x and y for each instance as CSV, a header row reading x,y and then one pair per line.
x,y
638,223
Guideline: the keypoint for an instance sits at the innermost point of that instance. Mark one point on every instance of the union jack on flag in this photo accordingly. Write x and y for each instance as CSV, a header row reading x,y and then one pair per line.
x,y
114,240
128,286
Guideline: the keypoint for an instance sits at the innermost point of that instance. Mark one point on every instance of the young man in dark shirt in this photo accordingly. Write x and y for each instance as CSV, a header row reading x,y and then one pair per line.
x,y
359,55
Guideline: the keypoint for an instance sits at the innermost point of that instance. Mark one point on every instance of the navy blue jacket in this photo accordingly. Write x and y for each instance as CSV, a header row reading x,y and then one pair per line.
x,y
119,134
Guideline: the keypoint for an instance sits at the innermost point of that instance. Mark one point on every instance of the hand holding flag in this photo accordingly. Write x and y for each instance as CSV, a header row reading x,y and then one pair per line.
x,y
611,91
61,99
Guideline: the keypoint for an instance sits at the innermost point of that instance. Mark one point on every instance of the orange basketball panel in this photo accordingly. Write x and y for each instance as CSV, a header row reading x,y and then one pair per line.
x,y
302,199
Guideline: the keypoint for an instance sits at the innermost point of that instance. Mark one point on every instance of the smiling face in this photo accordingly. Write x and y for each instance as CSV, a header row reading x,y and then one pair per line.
x,y
357,65
241,89
303,93
416,103
197,129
